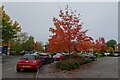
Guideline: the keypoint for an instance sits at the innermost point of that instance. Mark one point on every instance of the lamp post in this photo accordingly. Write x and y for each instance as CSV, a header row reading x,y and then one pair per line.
x,y
44,47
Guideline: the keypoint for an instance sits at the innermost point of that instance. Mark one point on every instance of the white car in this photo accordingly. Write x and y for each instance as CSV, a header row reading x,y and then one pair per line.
x,y
106,54
116,54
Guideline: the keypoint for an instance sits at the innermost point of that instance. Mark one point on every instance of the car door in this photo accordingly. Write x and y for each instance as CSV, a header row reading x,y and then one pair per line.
x,y
38,60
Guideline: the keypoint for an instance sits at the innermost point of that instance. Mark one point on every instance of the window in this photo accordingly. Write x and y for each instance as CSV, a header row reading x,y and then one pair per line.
x,y
29,57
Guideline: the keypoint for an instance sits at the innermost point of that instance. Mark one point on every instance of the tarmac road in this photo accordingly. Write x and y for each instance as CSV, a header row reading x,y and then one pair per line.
x,y
9,68
106,67
0,66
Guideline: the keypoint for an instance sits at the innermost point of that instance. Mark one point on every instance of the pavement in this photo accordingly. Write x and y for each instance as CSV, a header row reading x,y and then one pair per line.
x,y
0,67
106,67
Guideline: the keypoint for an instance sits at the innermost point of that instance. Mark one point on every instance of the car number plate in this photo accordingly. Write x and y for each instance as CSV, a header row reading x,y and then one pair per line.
x,y
26,66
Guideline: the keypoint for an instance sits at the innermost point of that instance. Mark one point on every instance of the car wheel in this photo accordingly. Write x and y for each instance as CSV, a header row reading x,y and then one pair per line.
x,y
18,70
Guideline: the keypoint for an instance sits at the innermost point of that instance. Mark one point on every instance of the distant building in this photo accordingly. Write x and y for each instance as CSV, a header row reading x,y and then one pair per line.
x,y
117,47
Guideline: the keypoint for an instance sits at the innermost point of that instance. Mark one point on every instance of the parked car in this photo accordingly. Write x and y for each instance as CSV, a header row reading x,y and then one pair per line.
x,y
58,56
92,56
107,54
68,53
29,61
46,58
52,53
116,54
26,52
88,55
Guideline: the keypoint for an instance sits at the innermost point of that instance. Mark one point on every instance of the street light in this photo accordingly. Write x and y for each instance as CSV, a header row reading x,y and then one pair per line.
x,y
44,47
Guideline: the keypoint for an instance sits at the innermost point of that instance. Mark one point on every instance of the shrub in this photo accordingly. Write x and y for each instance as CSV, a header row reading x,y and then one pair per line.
x,y
68,64
77,64
102,54
75,56
81,62
87,60
84,60
73,62
99,54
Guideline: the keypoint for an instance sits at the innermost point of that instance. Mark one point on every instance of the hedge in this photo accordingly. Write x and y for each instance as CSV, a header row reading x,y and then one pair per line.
x,y
68,64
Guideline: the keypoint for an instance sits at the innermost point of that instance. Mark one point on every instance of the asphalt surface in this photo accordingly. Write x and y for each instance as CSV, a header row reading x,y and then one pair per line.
x,y
0,67
106,67
9,69
50,71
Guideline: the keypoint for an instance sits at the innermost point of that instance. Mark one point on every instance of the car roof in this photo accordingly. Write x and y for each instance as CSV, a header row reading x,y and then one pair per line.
x,y
31,54
44,54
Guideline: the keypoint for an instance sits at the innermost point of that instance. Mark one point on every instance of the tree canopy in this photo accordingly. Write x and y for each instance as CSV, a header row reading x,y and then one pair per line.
x,y
9,27
68,36
29,44
111,43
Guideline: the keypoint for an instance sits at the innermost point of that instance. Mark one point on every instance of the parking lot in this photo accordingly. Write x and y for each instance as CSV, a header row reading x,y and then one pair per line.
x,y
106,67
0,67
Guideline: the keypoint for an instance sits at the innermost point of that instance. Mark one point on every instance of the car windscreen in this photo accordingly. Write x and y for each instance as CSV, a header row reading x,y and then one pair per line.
x,y
29,57
90,54
44,56
59,54
28,52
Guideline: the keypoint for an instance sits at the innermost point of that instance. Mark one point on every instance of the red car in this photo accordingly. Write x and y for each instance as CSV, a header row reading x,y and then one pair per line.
x,y
58,56
29,61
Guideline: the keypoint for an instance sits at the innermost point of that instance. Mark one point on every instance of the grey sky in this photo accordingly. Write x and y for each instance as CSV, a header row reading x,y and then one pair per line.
x,y
36,18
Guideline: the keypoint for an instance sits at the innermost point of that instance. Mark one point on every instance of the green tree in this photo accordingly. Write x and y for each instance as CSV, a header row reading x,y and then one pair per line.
x,y
17,43
9,27
111,43
0,23
38,46
16,47
110,49
22,37
0,16
29,44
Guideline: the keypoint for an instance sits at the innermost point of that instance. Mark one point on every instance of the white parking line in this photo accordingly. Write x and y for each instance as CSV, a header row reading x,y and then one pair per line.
x,y
36,75
9,69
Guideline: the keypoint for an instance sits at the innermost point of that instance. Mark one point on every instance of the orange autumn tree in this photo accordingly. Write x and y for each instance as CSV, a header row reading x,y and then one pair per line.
x,y
38,46
67,36
103,45
84,43
100,45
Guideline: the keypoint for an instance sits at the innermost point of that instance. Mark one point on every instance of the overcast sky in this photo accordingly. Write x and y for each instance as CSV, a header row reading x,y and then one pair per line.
x,y
36,18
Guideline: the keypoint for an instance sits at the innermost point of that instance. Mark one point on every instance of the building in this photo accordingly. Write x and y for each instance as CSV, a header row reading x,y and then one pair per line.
x,y
117,47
